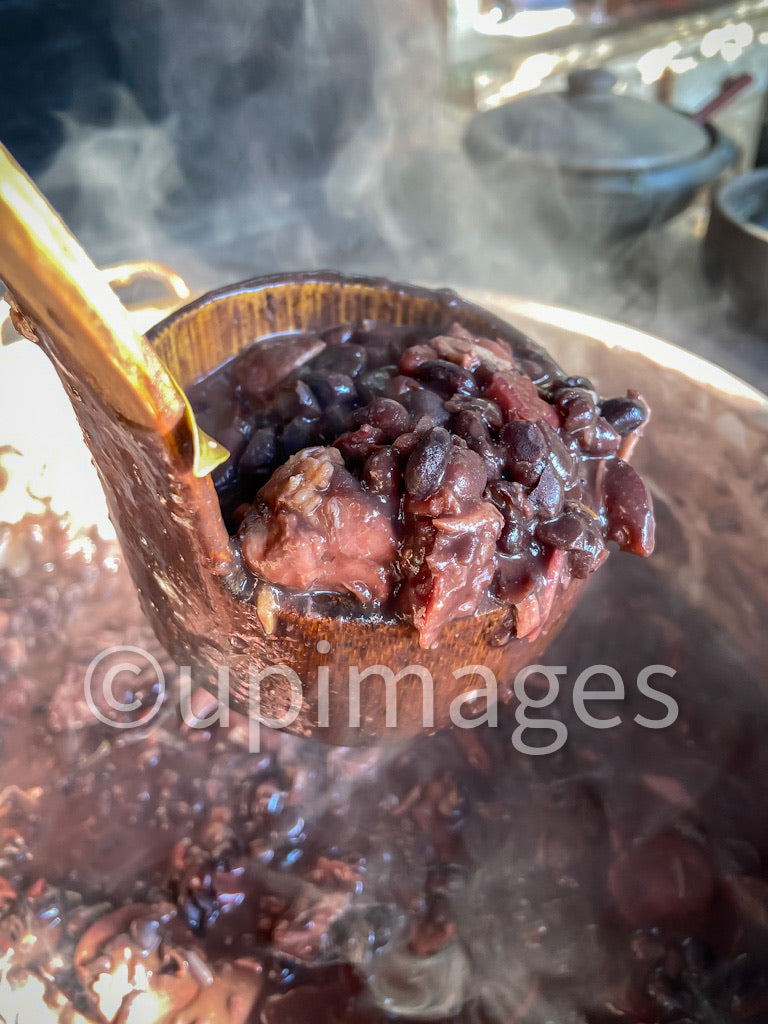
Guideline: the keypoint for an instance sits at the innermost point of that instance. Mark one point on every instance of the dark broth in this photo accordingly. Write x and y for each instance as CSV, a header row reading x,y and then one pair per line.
x,y
624,877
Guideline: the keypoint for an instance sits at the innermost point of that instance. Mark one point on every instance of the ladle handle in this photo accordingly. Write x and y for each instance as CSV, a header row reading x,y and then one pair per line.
x,y
729,90
55,285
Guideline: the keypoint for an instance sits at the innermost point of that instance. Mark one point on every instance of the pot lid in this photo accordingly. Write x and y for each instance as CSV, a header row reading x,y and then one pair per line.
x,y
590,128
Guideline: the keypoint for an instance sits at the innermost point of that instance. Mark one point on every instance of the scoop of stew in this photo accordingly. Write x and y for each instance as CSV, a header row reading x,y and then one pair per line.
x,y
423,476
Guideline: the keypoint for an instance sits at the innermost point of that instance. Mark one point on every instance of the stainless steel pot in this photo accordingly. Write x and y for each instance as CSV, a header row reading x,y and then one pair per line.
x,y
598,167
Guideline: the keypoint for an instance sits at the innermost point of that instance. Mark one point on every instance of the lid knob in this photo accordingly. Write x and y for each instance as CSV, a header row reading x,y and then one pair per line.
x,y
591,82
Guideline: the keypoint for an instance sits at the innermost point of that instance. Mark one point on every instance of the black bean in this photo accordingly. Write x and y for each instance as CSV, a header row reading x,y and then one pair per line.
x,y
391,418
465,474
565,532
484,374
264,365
226,474
423,402
601,439
578,533
470,426
399,386
560,459
427,463
220,413
549,493
348,359
234,438
194,916
628,508
385,341
488,410
577,407
493,458
330,388
264,416
336,420
405,444
413,357
699,958
260,451
294,398
422,425
541,369
299,433
447,378
382,472
525,450
374,382
624,414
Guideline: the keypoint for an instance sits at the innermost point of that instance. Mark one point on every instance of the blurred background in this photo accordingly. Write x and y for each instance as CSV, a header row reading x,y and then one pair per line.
x,y
447,142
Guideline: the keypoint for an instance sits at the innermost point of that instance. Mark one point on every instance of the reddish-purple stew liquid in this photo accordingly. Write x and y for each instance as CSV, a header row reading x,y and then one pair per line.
x,y
622,878
166,873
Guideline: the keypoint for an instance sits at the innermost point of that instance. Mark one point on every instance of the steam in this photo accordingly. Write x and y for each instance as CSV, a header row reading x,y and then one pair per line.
x,y
288,136
113,182
254,102
304,134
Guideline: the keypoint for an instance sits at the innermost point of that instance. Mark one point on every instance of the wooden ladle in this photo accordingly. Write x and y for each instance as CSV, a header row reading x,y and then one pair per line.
x,y
289,669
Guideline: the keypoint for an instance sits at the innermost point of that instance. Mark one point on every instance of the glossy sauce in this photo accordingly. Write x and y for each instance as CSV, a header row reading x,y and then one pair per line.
x,y
421,476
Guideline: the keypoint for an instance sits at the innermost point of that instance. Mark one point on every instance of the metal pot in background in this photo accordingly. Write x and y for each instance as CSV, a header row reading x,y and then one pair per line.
x,y
596,167
736,246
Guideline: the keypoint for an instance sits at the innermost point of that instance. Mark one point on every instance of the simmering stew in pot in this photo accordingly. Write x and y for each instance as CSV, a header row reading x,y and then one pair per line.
x,y
166,873
157,867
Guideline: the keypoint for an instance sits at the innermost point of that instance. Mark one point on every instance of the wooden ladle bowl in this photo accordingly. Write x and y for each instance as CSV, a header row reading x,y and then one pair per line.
x,y
190,588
